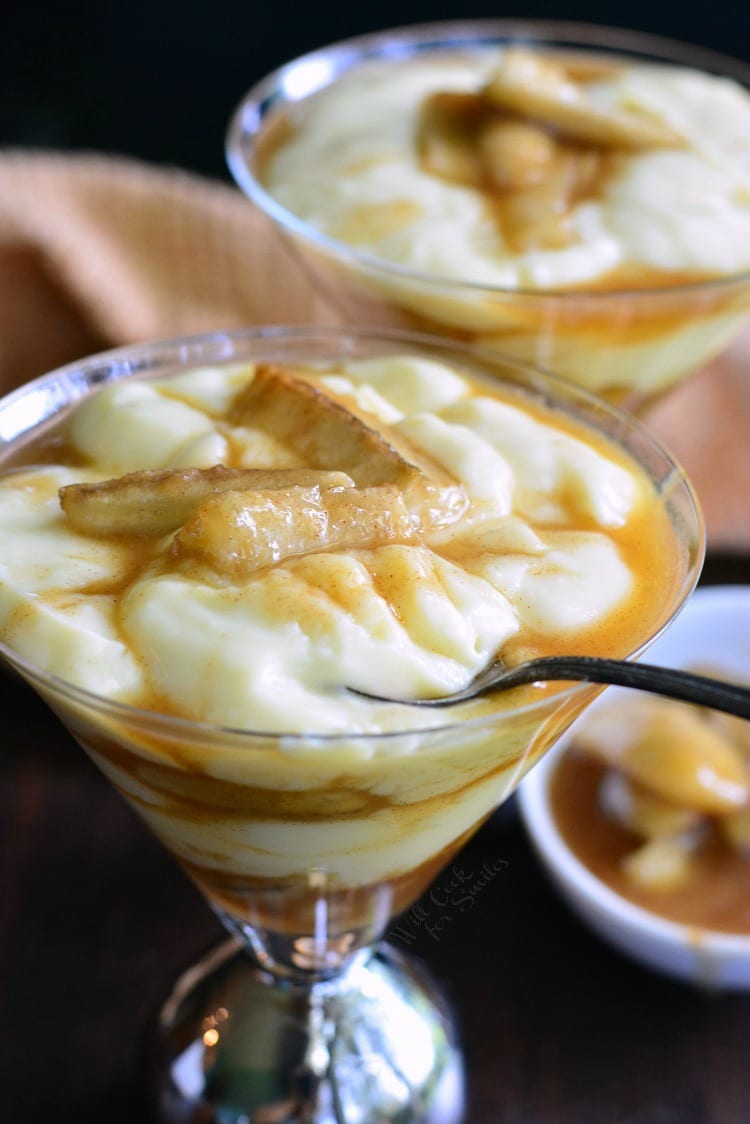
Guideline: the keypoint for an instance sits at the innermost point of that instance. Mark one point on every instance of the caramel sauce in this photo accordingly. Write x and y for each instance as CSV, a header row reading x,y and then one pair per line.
x,y
51,447
187,793
717,896
290,905
583,67
632,278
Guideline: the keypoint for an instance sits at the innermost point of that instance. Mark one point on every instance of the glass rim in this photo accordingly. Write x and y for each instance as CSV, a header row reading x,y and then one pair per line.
x,y
337,57
133,360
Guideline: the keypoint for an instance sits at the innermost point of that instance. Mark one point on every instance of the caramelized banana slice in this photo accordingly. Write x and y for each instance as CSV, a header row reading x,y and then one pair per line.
x,y
327,434
155,501
734,729
536,177
516,154
239,532
670,749
642,811
539,217
663,864
538,88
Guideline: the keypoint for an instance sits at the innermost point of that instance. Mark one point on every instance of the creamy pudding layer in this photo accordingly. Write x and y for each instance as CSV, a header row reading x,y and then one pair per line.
x,y
179,545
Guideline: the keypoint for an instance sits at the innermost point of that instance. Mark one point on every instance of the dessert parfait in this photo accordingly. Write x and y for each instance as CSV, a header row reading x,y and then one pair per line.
x,y
579,198
201,569
209,548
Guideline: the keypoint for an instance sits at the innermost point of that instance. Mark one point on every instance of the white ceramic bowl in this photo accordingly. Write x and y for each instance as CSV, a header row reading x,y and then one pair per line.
x,y
713,628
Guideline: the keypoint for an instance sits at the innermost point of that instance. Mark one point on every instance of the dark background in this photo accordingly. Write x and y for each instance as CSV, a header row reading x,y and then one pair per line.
x,y
158,81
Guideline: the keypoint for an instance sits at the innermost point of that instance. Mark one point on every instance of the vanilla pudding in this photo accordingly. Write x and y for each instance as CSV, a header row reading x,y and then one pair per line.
x,y
579,209
234,546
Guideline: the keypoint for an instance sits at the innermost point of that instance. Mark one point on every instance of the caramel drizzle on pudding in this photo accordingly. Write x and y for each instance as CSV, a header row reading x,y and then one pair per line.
x,y
531,180
533,143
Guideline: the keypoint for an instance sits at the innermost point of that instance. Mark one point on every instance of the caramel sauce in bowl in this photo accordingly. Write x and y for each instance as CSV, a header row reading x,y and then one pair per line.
x,y
698,931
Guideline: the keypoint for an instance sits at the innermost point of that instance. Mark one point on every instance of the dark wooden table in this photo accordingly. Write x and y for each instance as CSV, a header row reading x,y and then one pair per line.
x,y
96,920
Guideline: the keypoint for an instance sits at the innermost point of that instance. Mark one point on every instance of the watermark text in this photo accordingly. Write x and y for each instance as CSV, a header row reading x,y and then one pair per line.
x,y
456,892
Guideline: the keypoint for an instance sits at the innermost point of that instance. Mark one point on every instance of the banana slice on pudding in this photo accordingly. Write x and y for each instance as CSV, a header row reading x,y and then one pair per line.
x,y
237,520
157,501
538,88
328,432
236,533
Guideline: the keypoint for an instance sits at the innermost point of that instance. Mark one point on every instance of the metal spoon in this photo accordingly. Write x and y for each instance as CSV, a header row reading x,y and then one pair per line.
x,y
674,684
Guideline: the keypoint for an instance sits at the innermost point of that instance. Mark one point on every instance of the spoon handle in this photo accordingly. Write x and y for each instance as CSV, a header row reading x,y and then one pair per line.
x,y
684,685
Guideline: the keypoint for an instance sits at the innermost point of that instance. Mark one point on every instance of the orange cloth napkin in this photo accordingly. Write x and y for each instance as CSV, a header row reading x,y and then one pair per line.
x,y
98,251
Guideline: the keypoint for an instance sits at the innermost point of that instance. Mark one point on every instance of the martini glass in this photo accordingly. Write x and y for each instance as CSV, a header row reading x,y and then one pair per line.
x,y
307,845
629,342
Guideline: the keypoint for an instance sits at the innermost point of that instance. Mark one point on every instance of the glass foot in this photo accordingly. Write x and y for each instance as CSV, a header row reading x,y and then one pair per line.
x,y
375,1045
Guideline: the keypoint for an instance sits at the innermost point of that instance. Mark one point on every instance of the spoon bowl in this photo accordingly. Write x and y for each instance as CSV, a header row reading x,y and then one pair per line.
x,y
669,682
